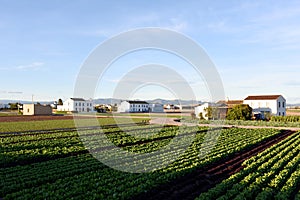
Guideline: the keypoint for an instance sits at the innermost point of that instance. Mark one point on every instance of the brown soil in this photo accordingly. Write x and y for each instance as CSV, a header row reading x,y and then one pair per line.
x,y
290,113
193,184
20,118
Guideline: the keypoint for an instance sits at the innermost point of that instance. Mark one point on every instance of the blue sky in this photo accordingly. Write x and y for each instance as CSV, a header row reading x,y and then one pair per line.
x,y
255,45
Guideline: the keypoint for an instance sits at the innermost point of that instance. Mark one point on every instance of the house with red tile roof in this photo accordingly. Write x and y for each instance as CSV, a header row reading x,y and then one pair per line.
x,y
267,104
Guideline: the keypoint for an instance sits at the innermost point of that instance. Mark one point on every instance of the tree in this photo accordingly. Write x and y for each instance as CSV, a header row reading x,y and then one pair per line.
x,y
212,112
13,106
201,116
59,102
193,115
239,112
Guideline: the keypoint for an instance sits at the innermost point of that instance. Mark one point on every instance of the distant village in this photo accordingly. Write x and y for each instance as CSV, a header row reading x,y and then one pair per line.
x,y
261,105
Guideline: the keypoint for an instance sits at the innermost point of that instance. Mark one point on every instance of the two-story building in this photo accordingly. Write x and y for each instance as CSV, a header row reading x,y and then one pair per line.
x,y
133,106
156,108
267,104
76,105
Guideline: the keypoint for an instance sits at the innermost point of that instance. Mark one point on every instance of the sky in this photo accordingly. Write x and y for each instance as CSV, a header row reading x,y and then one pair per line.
x,y
254,45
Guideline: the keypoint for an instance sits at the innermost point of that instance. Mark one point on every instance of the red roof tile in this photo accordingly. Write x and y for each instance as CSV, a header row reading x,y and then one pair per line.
x,y
263,97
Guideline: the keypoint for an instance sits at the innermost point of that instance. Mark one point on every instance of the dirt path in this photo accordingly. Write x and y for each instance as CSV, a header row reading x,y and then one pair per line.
x,y
193,184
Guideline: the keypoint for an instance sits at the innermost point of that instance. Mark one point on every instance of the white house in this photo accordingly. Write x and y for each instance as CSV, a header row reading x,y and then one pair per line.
x,y
133,106
76,105
272,104
156,107
201,110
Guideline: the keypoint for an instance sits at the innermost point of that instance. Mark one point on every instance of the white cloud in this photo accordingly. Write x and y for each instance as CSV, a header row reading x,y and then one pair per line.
x,y
32,66
177,24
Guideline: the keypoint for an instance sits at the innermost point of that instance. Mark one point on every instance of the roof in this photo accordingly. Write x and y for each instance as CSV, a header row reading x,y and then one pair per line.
x,y
77,99
230,102
263,97
137,102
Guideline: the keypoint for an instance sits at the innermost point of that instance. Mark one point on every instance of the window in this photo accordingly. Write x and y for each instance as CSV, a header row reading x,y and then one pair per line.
x,y
79,104
282,113
279,113
28,110
82,104
278,104
283,104
82,109
75,104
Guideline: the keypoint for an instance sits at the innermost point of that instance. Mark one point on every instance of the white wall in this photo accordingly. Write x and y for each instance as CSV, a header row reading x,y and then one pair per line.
x,y
76,106
124,107
139,107
154,107
272,104
201,109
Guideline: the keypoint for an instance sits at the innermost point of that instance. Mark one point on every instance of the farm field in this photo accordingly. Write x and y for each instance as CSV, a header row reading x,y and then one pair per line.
x,y
28,123
272,174
293,112
54,164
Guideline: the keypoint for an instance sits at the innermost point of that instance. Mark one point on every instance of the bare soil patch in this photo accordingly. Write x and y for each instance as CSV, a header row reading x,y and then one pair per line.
x,y
20,118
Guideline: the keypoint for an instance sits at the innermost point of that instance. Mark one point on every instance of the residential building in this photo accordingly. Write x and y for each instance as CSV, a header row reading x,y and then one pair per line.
x,y
201,110
37,109
230,103
267,104
133,106
76,105
156,107
219,110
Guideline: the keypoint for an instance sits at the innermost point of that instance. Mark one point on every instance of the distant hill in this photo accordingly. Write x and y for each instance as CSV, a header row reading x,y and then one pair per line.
x,y
161,101
113,101
117,101
6,101
293,105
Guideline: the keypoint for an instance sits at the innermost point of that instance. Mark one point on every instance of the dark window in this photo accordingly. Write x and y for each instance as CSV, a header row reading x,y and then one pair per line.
x,y
283,104
278,104
279,113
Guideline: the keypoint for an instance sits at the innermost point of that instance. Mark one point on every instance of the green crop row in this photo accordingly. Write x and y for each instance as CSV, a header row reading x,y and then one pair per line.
x,y
83,177
54,124
271,174
285,119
